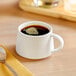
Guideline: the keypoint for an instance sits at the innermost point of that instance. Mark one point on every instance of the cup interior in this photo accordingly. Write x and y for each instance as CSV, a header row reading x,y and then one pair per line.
x,y
31,23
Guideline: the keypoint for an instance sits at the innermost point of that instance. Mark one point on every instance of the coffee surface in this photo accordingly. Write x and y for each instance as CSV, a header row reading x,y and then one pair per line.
x,y
35,30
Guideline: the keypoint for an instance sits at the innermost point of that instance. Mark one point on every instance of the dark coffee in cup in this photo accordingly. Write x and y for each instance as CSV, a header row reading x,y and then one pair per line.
x,y
35,30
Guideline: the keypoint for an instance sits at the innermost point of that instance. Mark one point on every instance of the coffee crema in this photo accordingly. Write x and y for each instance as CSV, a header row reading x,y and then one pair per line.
x,y
35,30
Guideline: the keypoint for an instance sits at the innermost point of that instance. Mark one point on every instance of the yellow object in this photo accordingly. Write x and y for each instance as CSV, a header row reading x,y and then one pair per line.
x,y
15,64
57,12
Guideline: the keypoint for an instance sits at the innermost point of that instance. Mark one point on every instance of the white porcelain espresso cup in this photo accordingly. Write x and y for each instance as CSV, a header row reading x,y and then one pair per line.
x,y
37,47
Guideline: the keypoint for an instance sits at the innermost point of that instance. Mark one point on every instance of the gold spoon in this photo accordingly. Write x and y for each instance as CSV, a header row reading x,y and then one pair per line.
x,y
3,60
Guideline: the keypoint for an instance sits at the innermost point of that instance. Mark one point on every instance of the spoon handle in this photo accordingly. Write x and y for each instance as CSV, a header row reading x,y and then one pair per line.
x,y
11,69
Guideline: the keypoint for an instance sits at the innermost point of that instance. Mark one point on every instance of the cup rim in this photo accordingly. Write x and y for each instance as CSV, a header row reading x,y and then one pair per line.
x,y
35,22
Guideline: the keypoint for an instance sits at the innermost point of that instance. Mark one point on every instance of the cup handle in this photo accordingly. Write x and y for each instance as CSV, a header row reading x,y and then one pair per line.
x,y
60,40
